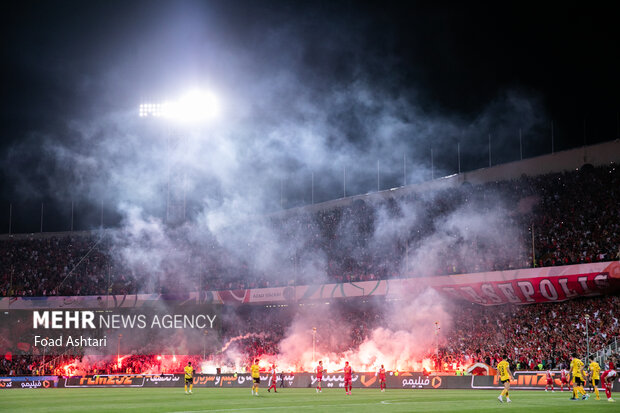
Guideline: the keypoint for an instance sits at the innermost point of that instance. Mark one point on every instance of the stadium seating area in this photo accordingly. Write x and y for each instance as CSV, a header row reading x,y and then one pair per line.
x,y
532,335
69,365
575,220
574,216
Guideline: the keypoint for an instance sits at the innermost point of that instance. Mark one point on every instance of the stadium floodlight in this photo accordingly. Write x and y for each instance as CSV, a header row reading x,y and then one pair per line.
x,y
194,106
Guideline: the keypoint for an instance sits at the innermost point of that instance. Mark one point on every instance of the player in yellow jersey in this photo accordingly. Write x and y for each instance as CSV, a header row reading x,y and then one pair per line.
x,y
576,367
189,377
255,377
503,371
595,371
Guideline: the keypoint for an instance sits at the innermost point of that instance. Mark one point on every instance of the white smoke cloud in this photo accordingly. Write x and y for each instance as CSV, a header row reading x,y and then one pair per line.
x,y
282,120
405,333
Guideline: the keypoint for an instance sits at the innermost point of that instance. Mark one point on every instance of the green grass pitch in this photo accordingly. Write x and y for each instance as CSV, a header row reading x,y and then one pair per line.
x,y
291,400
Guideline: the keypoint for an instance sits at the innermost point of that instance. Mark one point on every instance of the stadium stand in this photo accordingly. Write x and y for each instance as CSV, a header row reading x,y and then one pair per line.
x,y
573,216
534,335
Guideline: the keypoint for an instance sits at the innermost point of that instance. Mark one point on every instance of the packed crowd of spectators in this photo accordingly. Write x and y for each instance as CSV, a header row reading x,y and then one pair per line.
x,y
534,337
70,265
573,217
545,334
80,365
577,219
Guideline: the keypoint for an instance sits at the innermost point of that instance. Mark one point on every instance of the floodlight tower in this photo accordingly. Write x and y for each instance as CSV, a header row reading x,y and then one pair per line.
x,y
190,110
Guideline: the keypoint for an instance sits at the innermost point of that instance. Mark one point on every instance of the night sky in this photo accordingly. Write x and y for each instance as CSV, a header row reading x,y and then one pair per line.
x,y
306,88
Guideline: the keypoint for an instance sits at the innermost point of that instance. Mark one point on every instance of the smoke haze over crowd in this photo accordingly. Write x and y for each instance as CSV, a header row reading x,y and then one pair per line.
x,y
318,101
304,89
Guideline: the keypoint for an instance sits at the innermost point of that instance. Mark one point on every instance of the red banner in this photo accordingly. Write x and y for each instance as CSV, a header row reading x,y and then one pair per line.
x,y
522,286
528,286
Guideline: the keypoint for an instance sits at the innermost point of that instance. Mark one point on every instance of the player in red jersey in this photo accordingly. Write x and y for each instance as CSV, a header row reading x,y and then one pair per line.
x,y
319,376
274,379
564,379
348,373
607,379
382,378
549,381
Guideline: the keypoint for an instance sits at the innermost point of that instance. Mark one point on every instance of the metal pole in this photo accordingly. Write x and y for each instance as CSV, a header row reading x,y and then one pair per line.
x,y
378,179
169,171
489,149
587,317
312,188
407,257
296,266
313,343
184,193
437,337
204,345
296,270
533,249
184,142
118,351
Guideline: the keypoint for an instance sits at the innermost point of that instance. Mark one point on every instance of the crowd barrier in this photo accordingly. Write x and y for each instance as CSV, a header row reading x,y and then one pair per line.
x,y
526,380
